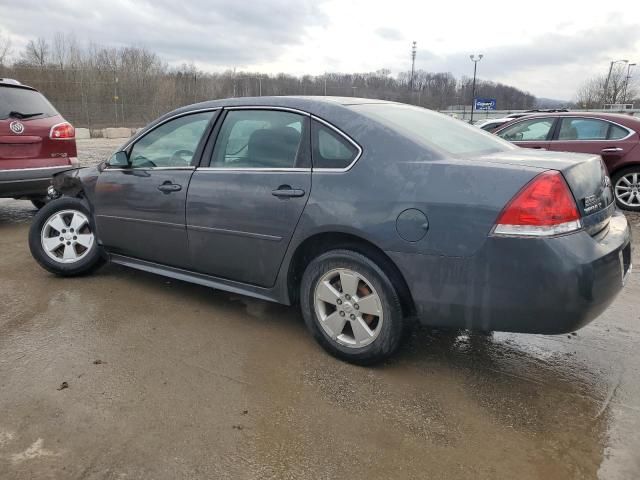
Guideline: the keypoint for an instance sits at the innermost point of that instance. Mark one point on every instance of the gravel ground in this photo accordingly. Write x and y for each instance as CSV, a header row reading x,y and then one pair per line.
x,y
96,150
123,374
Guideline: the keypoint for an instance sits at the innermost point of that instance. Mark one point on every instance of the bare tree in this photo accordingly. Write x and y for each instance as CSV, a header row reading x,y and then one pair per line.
x,y
36,52
60,51
596,91
5,49
591,93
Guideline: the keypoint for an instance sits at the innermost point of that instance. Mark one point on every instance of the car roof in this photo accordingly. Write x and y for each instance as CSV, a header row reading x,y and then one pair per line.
x,y
628,121
494,120
310,104
11,83
614,117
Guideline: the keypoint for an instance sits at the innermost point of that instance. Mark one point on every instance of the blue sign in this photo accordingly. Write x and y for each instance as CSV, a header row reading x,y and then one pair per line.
x,y
485,103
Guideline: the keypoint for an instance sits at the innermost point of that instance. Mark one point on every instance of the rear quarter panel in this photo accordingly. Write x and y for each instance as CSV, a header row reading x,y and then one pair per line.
x,y
461,198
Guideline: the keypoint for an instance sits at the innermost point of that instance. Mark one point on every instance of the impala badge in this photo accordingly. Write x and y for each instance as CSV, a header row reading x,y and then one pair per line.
x,y
592,203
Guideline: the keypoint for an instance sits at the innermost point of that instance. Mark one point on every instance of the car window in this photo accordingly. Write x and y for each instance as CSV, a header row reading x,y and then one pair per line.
x,y
528,130
330,149
172,144
436,131
616,132
260,139
24,101
583,129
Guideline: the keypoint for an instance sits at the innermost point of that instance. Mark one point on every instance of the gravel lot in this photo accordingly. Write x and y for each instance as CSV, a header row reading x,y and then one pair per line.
x,y
124,374
96,150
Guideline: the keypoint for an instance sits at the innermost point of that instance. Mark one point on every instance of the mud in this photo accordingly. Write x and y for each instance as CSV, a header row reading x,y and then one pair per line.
x,y
168,380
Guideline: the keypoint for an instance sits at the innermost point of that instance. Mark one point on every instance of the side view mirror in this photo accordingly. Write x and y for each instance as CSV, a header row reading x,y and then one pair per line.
x,y
119,159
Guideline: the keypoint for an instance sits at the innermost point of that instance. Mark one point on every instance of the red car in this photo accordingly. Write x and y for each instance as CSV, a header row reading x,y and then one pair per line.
x,y
614,137
35,143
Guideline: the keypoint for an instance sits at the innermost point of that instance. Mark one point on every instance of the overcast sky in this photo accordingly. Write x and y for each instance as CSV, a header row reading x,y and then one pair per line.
x,y
545,47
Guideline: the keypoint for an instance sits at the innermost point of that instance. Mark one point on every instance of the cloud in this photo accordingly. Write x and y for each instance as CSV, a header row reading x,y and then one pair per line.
x,y
387,33
544,59
220,32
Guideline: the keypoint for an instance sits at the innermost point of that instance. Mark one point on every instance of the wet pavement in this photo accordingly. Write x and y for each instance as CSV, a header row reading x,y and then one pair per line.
x,y
169,380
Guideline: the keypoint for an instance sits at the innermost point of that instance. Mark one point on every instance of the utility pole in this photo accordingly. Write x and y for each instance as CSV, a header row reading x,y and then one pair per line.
x,y
626,81
325,84
606,84
475,61
195,86
413,64
115,99
234,82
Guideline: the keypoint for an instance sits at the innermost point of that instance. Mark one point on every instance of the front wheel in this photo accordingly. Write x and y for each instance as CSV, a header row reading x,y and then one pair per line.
x,y
626,188
62,239
351,307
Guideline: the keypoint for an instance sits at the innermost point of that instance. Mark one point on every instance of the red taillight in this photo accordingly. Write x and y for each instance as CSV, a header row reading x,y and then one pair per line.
x,y
543,207
62,131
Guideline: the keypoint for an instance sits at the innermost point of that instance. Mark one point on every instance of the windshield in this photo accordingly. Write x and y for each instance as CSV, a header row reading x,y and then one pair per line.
x,y
25,102
434,130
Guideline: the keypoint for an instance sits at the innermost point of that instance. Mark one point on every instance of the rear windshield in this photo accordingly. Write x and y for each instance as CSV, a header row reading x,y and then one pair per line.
x,y
434,130
25,102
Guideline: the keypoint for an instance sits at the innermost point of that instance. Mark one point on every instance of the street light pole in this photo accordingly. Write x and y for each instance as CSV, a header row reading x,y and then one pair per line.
x,y
475,61
606,83
626,81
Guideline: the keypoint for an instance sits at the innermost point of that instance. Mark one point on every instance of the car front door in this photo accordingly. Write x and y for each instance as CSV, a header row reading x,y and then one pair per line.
x,y
244,204
529,133
593,135
141,195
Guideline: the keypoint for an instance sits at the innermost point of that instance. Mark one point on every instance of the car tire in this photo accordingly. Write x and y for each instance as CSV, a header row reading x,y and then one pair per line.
x,y
39,202
62,239
326,303
619,185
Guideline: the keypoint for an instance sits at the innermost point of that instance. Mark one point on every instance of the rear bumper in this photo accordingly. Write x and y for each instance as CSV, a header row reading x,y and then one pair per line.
x,y
553,285
28,181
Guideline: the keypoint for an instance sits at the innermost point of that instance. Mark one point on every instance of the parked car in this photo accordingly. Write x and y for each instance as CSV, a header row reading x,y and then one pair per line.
x,y
491,124
35,143
615,137
369,214
526,113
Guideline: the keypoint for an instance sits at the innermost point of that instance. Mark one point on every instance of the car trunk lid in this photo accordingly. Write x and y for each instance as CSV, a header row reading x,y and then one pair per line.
x,y
586,176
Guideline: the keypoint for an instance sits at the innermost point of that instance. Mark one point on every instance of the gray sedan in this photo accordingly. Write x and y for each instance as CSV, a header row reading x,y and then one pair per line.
x,y
368,214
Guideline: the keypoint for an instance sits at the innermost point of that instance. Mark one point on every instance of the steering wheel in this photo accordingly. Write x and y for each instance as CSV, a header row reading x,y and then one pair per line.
x,y
177,156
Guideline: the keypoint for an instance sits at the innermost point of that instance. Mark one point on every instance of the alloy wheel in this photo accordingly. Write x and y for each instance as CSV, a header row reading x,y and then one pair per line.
x,y
348,307
627,189
66,236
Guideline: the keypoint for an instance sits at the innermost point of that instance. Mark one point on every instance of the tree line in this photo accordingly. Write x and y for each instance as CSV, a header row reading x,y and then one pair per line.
x,y
616,87
95,86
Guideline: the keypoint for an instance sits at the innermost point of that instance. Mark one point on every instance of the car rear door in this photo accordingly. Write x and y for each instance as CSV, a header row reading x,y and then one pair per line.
x,y
530,132
140,203
594,135
245,200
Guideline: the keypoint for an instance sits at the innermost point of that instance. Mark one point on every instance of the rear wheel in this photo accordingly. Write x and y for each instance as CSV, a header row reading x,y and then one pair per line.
x,y
62,239
351,307
626,188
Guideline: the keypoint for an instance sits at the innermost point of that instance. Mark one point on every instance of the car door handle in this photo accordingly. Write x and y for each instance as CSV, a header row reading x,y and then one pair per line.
x,y
612,150
285,191
539,148
168,187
